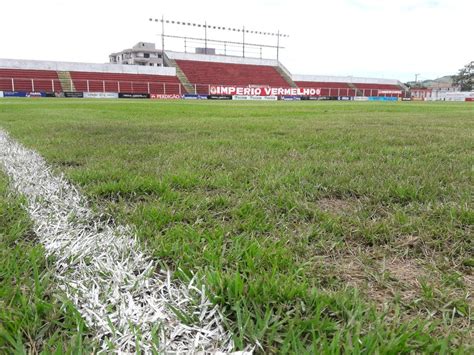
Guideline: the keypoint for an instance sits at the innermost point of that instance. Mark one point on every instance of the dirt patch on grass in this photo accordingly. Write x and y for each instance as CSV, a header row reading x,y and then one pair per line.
x,y
412,282
338,206
408,242
383,279
469,281
400,277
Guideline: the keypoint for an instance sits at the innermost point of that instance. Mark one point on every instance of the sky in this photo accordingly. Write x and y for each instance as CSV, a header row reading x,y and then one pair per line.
x,y
370,38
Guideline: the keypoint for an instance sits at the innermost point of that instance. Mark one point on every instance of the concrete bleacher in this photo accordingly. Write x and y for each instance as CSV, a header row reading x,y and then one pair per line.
x,y
131,83
190,73
33,75
349,86
202,71
231,74
328,88
379,89
29,80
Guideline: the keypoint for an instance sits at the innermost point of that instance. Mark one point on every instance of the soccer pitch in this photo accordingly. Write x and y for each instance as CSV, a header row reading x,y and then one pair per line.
x,y
315,226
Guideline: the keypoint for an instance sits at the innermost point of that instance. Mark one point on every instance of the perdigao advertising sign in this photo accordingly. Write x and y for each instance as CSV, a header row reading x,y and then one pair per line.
x,y
165,97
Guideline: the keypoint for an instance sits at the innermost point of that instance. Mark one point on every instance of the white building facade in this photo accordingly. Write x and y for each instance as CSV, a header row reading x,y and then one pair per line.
x,y
142,53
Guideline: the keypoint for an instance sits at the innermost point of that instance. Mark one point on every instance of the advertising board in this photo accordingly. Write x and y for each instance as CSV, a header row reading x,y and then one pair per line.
x,y
101,95
382,98
194,97
1,94
219,97
459,96
130,95
165,97
326,98
254,98
35,94
14,94
73,94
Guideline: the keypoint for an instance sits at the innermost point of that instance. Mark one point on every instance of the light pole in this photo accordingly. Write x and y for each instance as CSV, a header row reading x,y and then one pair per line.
x,y
243,42
245,31
162,32
205,37
278,46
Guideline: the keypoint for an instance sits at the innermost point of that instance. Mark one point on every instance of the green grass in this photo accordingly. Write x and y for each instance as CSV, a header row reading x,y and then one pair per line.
x,y
34,317
317,226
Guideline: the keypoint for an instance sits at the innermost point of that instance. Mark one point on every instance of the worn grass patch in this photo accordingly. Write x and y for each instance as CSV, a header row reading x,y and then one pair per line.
x,y
317,226
34,318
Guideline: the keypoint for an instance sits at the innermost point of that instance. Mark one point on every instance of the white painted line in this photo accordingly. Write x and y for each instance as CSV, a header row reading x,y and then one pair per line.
x,y
99,265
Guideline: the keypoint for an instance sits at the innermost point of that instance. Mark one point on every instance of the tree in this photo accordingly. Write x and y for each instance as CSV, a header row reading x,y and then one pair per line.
x,y
465,77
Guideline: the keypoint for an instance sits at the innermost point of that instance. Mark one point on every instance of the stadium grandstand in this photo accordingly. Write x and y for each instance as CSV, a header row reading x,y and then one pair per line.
x,y
182,73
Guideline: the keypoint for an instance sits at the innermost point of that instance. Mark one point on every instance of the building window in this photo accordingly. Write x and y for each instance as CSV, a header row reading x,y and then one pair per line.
x,y
146,55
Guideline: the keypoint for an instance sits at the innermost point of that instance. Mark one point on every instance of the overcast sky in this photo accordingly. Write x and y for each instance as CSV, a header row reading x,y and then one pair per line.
x,y
378,38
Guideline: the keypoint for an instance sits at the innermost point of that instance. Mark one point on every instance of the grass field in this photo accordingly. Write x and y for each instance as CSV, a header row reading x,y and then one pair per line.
x,y
33,317
316,226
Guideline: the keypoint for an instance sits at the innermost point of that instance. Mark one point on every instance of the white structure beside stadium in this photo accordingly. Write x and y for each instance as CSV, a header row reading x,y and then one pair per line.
x,y
142,54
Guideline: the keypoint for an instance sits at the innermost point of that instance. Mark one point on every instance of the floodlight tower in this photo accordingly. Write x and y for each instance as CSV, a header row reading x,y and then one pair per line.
x,y
162,31
206,27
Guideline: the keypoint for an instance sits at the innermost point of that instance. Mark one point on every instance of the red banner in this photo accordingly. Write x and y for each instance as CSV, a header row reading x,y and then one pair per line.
x,y
263,91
